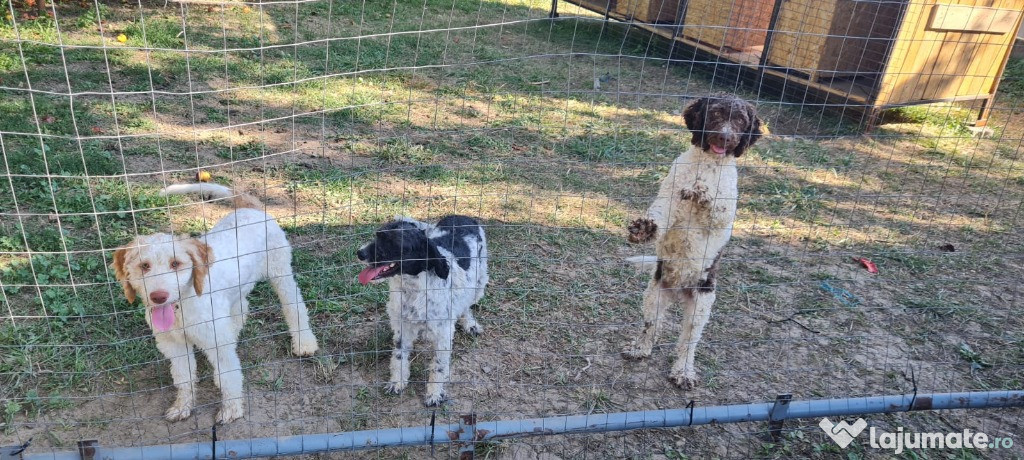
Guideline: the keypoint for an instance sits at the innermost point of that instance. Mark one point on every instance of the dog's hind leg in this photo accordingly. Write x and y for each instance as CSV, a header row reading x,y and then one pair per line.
x,y
440,369
468,323
183,373
697,312
657,300
292,306
483,274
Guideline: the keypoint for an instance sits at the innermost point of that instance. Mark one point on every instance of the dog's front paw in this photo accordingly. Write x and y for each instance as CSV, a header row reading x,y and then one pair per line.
x,y
230,411
684,380
435,399
698,195
305,344
394,388
636,350
181,410
642,230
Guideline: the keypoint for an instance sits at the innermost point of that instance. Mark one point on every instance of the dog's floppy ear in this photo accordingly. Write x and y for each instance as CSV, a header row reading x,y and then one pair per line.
x,y
694,117
121,271
753,131
202,257
436,261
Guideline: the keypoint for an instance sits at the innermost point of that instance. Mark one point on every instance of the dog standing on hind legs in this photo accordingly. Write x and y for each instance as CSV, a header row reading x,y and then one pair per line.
x,y
691,221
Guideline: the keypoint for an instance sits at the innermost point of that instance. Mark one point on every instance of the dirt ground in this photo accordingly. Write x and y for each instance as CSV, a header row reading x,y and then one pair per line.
x,y
555,172
557,315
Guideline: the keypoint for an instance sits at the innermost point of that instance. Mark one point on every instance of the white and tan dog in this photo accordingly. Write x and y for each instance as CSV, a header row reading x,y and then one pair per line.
x,y
691,221
195,289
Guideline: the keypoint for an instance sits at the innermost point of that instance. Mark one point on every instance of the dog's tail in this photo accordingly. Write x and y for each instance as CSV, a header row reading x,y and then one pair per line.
x,y
643,262
212,191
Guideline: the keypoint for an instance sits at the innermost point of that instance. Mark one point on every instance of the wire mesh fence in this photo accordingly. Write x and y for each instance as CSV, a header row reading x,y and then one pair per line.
x,y
553,124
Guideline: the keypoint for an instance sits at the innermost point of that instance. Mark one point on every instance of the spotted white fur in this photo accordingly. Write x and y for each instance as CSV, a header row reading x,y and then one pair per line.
x,y
427,307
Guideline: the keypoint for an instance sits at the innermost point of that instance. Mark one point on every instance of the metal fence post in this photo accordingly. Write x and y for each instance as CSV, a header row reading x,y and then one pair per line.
x,y
777,416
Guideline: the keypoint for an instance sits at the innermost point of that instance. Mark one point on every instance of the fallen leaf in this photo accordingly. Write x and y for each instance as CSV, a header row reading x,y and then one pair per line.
x,y
511,280
948,247
96,130
869,265
122,38
49,119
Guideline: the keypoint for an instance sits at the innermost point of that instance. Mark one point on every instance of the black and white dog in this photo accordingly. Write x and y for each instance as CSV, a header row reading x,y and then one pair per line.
x,y
436,273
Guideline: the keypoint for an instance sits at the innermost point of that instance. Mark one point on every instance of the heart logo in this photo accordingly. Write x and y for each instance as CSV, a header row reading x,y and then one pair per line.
x,y
842,433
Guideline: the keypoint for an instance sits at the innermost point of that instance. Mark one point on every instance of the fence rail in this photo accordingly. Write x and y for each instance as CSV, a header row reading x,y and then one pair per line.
x,y
469,432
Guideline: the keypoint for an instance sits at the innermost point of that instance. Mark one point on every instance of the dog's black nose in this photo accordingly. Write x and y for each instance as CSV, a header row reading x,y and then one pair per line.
x,y
361,254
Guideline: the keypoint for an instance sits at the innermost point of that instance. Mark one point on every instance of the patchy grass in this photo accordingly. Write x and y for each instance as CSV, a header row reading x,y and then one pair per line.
x,y
401,152
1012,84
951,119
502,122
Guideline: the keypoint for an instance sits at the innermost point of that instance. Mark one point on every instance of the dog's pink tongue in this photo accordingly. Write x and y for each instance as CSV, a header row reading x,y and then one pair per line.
x,y
163,317
718,149
369,273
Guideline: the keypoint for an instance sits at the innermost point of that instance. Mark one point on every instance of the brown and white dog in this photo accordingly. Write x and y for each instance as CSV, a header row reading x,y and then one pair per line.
x,y
691,221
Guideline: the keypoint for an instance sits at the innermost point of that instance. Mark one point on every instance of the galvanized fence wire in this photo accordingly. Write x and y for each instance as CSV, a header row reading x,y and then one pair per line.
x,y
553,123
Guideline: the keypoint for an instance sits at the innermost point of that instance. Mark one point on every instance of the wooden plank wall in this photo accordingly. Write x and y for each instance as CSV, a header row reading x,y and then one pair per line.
x,y
834,37
800,34
652,11
860,37
732,24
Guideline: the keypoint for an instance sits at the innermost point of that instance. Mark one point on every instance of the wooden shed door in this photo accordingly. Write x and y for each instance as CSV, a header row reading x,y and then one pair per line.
x,y
950,49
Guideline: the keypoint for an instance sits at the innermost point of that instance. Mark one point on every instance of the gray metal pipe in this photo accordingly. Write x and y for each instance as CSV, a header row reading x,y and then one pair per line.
x,y
594,423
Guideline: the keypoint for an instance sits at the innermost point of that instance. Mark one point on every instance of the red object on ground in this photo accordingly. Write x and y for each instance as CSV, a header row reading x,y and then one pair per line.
x,y
869,265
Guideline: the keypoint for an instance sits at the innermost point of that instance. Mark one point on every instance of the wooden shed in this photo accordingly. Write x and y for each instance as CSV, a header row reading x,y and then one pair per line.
x,y
875,54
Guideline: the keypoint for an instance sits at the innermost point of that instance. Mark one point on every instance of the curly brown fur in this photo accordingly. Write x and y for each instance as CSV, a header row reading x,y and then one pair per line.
x,y
723,120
